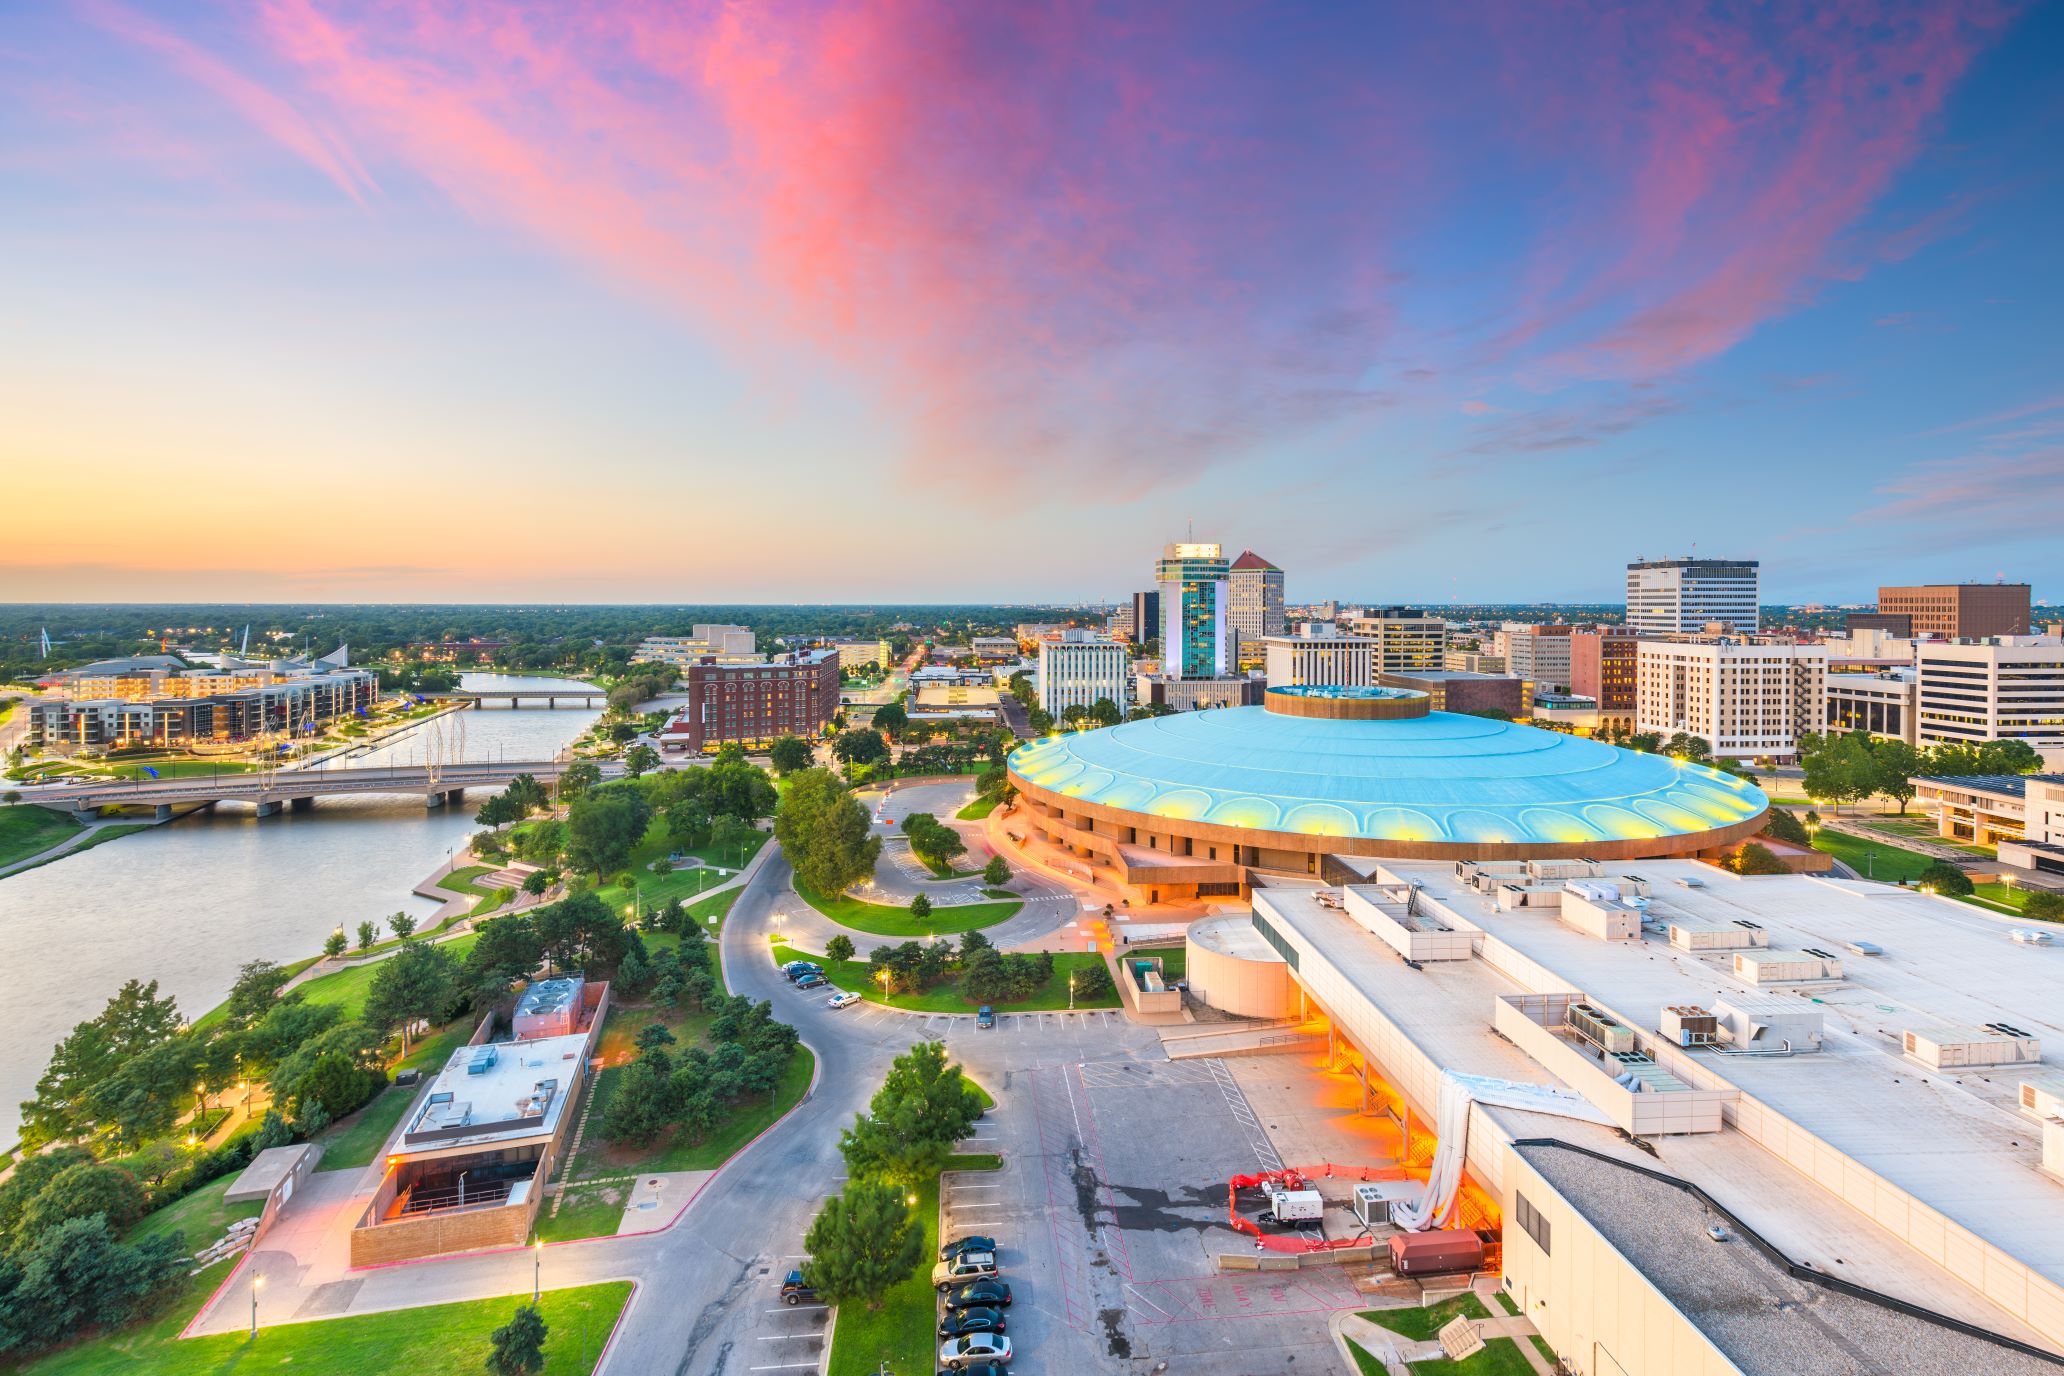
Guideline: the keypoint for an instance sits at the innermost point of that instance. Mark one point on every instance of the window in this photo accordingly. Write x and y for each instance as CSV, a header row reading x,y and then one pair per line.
x,y
1530,1222
1275,939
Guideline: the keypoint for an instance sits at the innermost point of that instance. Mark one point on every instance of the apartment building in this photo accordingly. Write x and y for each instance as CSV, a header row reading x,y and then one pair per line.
x,y
193,707
858,654
1538,656
1956,611
1320,653
1601,667
2005,688
1684,596
1408,640
752,704
1748,702
1080,669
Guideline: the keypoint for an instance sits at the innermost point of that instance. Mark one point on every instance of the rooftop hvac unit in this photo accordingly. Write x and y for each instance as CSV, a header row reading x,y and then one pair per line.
x,y
1954,1048
1690,934
1785,967
1689,1025
482,1060
1865,948
1596,1028
1374,1201
1690,882
2043,1097
1770,1022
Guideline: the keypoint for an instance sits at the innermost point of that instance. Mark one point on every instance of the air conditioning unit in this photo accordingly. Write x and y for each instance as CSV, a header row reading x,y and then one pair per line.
x,y
2043,1097
1786,967
1955,1048
1689,1025
1374,1201
1607,1034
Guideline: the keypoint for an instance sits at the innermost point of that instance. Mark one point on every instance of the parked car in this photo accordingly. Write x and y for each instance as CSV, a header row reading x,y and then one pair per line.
x,y
958,1353
842,999
985,1367
796,1290
796,969
985,1016
987,1294
958,1323
975,1243
810,979
964,1268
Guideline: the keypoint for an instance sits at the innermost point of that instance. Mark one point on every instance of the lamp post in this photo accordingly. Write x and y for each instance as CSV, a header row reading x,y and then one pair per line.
x,y
537,1271
1071,990
257,1284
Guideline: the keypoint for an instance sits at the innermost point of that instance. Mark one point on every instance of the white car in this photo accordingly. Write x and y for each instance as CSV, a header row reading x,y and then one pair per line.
x,y
975,1347
842,1000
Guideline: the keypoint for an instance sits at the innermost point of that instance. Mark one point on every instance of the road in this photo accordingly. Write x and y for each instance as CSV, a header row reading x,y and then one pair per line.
x,y
287,784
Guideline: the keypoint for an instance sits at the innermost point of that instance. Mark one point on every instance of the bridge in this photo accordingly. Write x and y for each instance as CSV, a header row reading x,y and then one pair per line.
x,y
438,784
551,697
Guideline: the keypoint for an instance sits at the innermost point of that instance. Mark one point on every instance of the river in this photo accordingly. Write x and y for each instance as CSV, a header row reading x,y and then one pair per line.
x,y
187,903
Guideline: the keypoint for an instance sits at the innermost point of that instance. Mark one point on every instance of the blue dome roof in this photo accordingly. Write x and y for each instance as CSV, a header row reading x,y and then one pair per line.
x,y
1442,777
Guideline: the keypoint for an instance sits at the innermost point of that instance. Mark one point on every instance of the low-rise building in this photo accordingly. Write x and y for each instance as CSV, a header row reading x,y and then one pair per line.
x,y
1193,694
1571,711
1319,652
1473,662
752,704
1455,691
706,641
1081,669
993,649
184,708
1988,809
1880,703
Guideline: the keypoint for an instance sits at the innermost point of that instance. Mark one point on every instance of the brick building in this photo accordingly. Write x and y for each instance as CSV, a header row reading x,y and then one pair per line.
x,y
1602,669
1956,611
1454,690
752,704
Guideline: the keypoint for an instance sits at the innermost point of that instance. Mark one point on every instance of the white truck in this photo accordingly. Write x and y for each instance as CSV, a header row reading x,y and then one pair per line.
x,y
1294,1206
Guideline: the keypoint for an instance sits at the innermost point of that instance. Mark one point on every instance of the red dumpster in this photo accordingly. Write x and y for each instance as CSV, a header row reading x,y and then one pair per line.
x,y
1450,1249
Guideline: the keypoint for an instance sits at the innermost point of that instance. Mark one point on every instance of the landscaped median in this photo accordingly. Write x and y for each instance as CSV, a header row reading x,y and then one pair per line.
x,y
904,1331
859,977
879,919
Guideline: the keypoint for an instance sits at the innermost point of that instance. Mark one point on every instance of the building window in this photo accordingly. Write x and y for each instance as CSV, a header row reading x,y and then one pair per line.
x,y
1530,1222
1275,939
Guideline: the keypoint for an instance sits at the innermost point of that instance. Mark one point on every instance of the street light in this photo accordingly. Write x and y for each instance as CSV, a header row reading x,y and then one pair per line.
x,y
537,1270
257,1284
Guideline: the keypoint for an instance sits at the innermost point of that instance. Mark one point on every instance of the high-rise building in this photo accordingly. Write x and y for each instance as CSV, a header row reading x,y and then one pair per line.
x,y
1537,655
1408,640
1146,615
1684,596
1196,630
1079,669
1319,653
2006,688
1747,702
1957,611
1601,667
1254,602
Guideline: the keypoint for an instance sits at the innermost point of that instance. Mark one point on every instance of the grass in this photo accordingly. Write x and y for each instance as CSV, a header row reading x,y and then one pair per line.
x,y
901,1332
202,1216
656,890
461,880
744,1122
1505,1302
347,988
591,1211
438,1340
1424,1325
946,996
1365,1363
978,809
1922,829
1499,1357
1886,861
883,920
30,830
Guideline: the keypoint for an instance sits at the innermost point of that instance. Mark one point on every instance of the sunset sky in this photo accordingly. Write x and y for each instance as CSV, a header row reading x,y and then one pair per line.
x,y
965,301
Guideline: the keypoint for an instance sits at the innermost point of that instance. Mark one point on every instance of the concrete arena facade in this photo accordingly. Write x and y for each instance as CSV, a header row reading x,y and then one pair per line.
x,y
1187,806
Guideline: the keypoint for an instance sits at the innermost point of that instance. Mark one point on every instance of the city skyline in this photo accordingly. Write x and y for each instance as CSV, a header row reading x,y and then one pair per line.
x,y
447,304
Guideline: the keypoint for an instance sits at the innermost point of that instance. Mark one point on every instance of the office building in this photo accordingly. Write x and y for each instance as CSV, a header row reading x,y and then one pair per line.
x,y
1408,639
2039,844
1455,690
1992,809
1196,626
1195,805
1197,694
1747,702
993,649
2006,688
1146,615
1081,669
1685,596
1745,1147
1318,652
1601,667
753,704
706,640
1538,656
1957,611
859,654
1879,702
1254,603
1477,661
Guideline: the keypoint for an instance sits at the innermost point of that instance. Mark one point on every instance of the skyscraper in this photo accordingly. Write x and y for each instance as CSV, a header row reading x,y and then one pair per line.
x,y
1681,596
1255,599
1196,634
1146,616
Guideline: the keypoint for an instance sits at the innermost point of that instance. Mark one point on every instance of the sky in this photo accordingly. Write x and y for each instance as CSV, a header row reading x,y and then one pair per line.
x,y
903,301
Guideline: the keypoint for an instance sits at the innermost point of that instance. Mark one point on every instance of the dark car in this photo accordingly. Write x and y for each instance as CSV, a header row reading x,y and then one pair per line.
x,y
985,1016
810,979
980,1294
983,1368
796,1290
977,1320
796,969
966,1244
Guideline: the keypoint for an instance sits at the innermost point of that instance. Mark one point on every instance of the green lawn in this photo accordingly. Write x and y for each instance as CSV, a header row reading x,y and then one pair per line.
x,y
655,890
883,920
439,1340
744,1122
1871,859
202,1216
903,1331
347,988
1424,1325
978,809
29,830
461,880
946,997
1923,829
357,1139
587,1211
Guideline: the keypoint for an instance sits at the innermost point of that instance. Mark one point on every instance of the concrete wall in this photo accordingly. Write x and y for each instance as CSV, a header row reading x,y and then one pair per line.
x,y
1245,988
1594,1306
506,1225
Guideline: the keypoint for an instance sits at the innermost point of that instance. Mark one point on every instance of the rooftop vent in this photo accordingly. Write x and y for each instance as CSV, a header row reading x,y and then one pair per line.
x,y
1786,967
1691,882
1689,1025
1603,1032
1865,948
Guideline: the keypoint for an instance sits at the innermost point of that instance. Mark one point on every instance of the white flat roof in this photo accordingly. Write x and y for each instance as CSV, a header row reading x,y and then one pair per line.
x,y
502,1103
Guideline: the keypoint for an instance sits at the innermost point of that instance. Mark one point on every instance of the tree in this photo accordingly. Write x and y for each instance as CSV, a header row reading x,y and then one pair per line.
x,y
134,1021
860,746
1040,720
335,943
577,778
518,1346
1686,746
641,1105
31,1174
1104,712
921,907
1838,768
734,786
416,984
604,827
402,925
1784,824
536,882
891,717
77,1276
1755,859
640,759
2044,905
923,1107
840,947
368,933
997,872
825,832
789,754
864,1242
582,932
81,1190
257,987
1942,877
1893,767
729,835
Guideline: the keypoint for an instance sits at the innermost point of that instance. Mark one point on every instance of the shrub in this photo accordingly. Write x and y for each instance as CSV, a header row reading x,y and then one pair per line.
x,y
2045,906
1945,878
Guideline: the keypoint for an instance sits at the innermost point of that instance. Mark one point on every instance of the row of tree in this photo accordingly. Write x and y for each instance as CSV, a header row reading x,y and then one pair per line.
x,y
825,832
1852,766
659,1092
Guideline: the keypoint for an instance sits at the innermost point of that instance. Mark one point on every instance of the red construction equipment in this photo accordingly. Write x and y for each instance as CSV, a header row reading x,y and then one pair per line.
x,y
1296,1178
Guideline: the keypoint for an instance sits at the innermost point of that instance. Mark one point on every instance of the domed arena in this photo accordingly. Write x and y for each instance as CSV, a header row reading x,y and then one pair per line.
x,y
1186,805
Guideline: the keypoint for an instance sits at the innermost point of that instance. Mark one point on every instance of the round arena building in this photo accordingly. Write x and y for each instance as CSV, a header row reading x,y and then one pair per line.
x,y
1187,805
